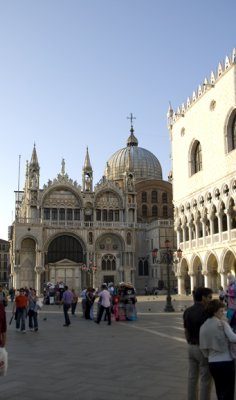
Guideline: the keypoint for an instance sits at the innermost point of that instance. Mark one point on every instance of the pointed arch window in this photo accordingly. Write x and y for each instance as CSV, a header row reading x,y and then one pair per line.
x,y
196,158
231,132
143,267
108,262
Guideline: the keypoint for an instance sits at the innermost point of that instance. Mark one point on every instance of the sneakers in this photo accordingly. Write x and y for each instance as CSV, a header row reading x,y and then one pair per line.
x,y
24,331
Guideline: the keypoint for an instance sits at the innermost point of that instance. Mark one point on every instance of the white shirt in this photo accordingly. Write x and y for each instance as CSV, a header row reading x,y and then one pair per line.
x,y
105,298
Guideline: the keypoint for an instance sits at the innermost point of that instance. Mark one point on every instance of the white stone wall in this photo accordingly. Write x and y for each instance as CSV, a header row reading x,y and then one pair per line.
x,y
200,123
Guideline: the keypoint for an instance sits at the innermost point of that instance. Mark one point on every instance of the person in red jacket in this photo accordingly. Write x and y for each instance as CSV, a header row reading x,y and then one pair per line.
x,y
20,308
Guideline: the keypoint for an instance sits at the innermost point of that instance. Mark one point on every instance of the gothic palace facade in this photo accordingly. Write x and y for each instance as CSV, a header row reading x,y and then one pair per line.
x,y
203,140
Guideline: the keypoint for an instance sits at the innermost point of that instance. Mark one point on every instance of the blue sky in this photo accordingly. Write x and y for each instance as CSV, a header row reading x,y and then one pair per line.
x,y
71,72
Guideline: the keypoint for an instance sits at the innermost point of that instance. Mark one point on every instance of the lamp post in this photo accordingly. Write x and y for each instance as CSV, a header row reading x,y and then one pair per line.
x,y
91,269
167,257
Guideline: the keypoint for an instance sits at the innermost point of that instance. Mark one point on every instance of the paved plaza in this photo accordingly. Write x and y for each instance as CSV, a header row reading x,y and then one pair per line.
x,y
141,360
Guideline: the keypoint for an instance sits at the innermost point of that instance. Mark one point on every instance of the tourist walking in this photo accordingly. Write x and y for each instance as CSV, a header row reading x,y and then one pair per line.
x,y
215,336
33,311
67,299
105,304
198,369
20,308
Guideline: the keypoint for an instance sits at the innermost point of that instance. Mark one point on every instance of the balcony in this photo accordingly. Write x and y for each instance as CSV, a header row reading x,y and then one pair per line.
x,y
79,224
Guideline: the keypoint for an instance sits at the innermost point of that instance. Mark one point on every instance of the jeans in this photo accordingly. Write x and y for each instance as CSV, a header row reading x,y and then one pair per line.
x,y
73,307
198,373
66,308
108,313
20,318
33,319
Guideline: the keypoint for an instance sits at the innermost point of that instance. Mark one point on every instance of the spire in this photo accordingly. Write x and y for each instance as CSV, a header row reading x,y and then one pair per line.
x,y
34,158
87,163
87,174
33,171
132,140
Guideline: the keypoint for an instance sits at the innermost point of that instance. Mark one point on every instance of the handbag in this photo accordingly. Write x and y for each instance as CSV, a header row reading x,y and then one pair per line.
x,y
3,361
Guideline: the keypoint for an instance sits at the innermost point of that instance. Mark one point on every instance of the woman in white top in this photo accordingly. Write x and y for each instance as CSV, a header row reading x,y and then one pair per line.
x,y
215,336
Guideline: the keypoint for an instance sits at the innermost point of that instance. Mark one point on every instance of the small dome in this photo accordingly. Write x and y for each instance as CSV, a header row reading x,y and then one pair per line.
x,y
144,164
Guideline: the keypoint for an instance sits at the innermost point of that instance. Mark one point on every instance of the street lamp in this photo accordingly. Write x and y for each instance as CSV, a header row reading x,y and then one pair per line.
x,y
91,269
167,257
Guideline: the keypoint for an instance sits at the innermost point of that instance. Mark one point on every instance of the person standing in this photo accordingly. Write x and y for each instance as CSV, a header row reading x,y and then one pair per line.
x,y
215,335
105,304
193,318
33,311
20,308
67,299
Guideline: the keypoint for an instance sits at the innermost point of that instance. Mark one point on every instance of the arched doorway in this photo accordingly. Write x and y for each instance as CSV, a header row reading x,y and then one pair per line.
x,y
63,260
198,278
27,262
213,275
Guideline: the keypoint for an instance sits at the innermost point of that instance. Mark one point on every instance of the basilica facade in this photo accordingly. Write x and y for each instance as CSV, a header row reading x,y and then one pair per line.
x,y
203,139
84,235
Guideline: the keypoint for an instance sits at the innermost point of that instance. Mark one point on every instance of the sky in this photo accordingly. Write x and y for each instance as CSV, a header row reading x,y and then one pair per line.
x,y
72,71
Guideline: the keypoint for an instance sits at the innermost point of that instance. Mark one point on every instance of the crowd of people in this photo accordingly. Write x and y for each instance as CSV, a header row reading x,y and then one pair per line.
x,y
118,300
209,324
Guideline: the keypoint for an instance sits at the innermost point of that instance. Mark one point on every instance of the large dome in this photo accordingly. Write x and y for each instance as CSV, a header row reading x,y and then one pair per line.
x,y
143,163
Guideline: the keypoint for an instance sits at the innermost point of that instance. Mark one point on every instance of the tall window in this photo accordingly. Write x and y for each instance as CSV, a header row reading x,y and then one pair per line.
x,y
46,213
195,158
144,210
154,196
164,197
231,132
54,214
144,197
108,262
154,211
143,268
165,212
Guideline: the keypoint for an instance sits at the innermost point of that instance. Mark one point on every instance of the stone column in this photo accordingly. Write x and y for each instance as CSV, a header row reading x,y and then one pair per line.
x,y
223,279
16,279
192,281
39,269
180,283
229,226
206,279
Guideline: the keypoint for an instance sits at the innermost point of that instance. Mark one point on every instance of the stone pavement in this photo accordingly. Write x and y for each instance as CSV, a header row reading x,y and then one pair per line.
x,y
141,360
